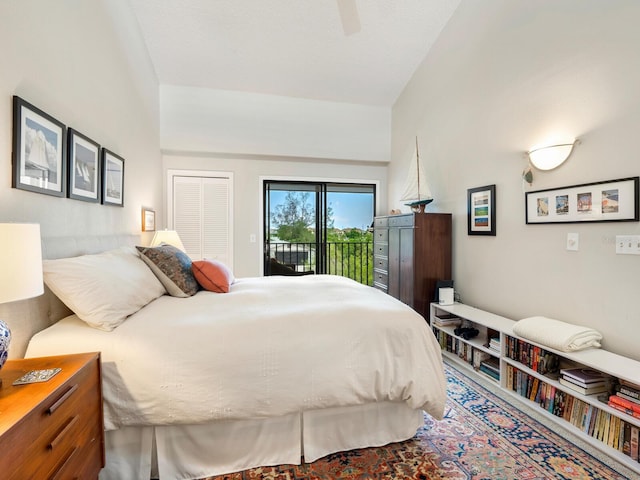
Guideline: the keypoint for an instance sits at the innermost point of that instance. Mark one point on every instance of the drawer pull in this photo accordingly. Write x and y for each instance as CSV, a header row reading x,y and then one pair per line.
x,y
60,437
62,399
58,473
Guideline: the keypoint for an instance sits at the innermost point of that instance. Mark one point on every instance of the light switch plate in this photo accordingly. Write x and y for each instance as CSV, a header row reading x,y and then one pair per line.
x,y
628,244
573,241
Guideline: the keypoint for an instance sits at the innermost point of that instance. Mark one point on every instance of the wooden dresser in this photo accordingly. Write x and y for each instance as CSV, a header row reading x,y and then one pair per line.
x,y
54,429
411,252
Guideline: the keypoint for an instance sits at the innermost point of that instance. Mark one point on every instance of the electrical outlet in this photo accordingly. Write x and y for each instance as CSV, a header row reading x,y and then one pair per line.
x,y
573,241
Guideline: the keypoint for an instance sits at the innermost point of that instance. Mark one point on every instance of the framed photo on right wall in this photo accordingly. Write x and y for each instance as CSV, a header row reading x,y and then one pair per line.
x,y
608,201
481,210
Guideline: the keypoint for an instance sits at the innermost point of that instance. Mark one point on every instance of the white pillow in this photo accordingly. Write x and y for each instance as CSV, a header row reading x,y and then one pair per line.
x,y
103,289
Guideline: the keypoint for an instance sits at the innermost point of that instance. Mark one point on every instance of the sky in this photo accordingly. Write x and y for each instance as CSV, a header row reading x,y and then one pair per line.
x,y
350,210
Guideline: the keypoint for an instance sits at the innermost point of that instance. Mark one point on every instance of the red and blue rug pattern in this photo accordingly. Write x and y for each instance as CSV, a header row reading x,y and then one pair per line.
x,y
482,437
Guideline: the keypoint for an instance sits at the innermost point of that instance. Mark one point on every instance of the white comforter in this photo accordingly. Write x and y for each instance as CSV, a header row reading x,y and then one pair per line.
x,y
271,346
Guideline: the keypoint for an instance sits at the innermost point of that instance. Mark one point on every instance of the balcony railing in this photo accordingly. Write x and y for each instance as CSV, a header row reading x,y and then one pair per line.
x,y
348,259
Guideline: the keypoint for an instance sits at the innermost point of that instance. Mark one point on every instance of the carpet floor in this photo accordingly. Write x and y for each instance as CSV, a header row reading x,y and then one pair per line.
x,y
481,437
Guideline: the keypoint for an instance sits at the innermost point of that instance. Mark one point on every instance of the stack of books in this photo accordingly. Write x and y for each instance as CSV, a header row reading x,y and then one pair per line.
x,y
626,399
491,367
494,344
447,320
585,380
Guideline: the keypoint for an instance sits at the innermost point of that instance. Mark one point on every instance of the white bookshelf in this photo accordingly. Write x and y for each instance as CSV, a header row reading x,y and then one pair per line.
x,y
594,358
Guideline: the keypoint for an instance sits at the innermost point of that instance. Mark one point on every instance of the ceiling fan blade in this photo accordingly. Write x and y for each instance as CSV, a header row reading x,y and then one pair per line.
x,y
349,16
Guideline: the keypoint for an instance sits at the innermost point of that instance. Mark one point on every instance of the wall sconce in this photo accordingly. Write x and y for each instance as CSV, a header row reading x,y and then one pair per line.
x,y
552,156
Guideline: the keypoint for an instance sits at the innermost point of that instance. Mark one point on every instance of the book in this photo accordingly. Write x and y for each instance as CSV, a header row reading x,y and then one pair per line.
x,y
617,399
627,397
620,408
633,386
607,422
634,442
583,390
626,443
594,421
445,320
487,371
568,407
612,431
534,389
575,381
585,375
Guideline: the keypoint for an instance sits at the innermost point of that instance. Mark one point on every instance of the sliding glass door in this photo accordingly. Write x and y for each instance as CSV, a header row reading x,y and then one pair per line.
x,y
319,227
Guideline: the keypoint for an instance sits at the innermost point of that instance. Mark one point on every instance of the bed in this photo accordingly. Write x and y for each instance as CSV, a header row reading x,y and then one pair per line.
x,y
279,370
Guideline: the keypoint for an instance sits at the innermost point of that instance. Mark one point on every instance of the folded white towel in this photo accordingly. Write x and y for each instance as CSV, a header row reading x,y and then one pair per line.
x,y
558,335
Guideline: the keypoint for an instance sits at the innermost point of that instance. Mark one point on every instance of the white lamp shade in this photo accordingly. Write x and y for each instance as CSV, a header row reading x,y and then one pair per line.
x,y
168,237
548,158
21,270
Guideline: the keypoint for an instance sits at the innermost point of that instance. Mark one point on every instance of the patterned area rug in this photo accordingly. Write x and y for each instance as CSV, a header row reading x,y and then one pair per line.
x,y
481,438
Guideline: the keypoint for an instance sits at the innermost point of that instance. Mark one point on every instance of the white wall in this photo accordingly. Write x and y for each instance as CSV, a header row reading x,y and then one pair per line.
x,y
247,174
507,75
206,120
82,62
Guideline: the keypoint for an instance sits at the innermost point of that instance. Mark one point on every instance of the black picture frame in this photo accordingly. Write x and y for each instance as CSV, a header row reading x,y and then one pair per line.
x,y
481,210
39,150
112,179
84,171
605,201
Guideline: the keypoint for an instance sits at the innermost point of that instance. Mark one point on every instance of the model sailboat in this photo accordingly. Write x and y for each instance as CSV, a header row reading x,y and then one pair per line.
x,y
416,191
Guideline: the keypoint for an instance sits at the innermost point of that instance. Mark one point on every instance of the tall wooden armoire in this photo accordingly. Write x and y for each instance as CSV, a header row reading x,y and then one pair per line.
x,y
411,253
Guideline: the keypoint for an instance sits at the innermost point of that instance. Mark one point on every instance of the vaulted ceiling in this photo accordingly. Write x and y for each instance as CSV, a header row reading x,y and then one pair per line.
x,y
354,51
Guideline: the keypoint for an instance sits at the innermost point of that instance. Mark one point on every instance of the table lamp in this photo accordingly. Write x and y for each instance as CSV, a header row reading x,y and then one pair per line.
x,y
168,237
21,271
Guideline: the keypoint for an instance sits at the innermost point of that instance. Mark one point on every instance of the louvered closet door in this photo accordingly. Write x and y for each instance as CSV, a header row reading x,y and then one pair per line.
x,y
201,216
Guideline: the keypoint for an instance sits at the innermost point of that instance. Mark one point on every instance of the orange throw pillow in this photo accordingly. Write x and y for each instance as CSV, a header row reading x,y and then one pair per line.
x,y
212,275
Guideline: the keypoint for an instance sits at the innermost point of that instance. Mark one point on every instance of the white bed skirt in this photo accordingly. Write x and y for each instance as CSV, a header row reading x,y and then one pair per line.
x,y
198,451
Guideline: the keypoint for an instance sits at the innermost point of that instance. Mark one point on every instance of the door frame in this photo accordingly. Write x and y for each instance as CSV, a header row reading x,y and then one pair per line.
x,y
296,178
172,172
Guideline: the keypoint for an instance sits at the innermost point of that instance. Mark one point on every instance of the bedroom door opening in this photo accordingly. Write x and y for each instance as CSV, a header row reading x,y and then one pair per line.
x,y
319,227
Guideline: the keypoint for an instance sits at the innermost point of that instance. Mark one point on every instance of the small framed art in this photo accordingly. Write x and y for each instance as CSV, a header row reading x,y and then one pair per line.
x,y
148,220
112,179
481,210
39,163
608,201
83,167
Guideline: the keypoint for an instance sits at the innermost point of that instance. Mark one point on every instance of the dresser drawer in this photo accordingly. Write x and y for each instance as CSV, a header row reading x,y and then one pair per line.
x,y
81,462
381,249
402,221
380,222
380,263
380,278
381,287
381,235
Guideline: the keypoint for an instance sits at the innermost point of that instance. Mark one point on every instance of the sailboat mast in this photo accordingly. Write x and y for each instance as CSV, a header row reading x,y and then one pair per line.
x,y
418,166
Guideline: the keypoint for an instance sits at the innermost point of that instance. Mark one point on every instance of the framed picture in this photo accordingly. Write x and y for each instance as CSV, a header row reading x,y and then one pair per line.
x,y
38,150
608,201
481,210
148,220
112,179
83,167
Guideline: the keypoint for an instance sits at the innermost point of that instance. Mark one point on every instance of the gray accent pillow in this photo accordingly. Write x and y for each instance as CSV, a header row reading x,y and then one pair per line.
x,y
172,267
